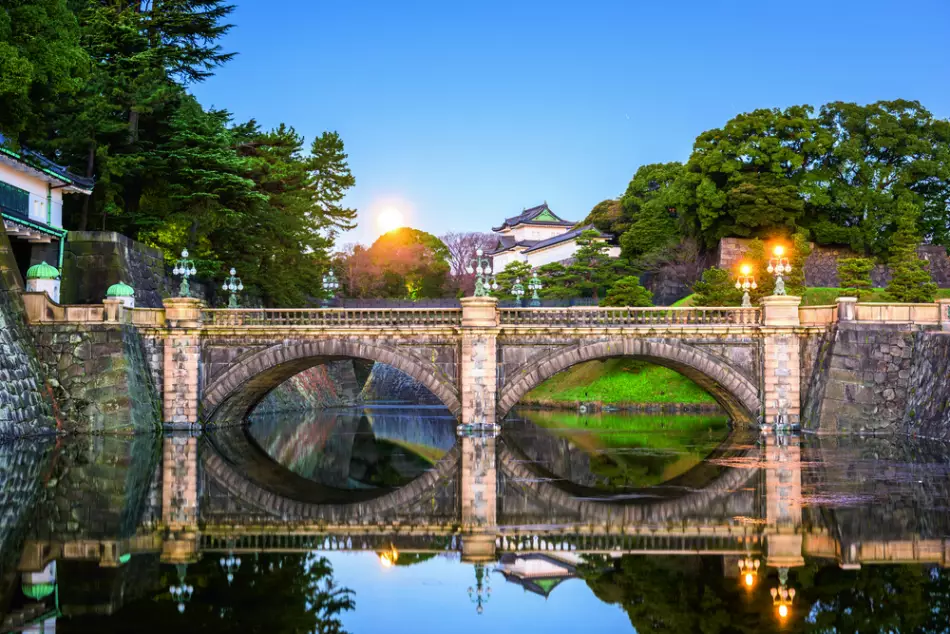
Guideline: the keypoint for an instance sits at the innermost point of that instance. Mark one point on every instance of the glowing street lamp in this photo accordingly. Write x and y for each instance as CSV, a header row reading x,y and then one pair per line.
x,y
233,285
744,282
181,593
783,596
185,268
748,571
518,290
330,286
534,285
779,265
484,281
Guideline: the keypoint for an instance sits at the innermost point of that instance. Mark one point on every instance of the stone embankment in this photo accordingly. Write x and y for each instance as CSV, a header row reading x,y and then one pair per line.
x,y
334,384
881,378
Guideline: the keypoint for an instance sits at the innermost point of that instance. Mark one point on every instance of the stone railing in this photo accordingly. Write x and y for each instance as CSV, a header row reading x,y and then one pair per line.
x,y
818,315
923,314
40,309
332,317
582,317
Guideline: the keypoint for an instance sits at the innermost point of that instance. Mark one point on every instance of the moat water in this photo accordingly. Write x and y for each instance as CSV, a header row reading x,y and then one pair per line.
x,y
381,519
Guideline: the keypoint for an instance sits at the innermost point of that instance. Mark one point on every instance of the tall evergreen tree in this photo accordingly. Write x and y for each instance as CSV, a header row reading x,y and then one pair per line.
x,y
910,277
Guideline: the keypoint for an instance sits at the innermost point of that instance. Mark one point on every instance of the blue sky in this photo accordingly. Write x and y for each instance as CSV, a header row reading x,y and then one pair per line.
x,y
461,113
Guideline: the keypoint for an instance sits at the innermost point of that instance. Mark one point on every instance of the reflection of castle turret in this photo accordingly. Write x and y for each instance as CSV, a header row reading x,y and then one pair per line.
x,y
539,573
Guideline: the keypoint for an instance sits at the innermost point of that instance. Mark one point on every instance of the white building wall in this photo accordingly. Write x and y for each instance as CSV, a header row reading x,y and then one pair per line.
x,y
537,232
554,253
37,188
500,261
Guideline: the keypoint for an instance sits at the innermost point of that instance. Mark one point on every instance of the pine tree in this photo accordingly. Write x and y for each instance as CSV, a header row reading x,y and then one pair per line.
x,y
516,270
910,277
627,291
716,288
332,177
854,277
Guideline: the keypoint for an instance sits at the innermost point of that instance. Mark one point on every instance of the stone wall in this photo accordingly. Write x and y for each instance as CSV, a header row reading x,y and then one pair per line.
x,y
94,260
25,405
928,403
821,267
386,383
860,380
333,384
100,377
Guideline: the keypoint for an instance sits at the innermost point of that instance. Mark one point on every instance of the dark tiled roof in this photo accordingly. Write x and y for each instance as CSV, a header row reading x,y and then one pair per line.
x,y
40,162
564,237
529,214
509,242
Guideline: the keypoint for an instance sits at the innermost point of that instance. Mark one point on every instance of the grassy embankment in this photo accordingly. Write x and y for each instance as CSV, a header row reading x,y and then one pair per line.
x,y
617,382
824,296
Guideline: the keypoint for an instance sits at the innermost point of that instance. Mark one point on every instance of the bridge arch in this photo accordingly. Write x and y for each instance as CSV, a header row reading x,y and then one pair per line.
x,y
242,386
734,392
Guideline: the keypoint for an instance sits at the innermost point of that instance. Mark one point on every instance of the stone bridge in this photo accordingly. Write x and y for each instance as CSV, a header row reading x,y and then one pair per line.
x,y
215,365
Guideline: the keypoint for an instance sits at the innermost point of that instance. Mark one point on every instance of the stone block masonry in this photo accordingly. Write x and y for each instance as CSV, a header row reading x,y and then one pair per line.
x,y
26,407
928,399
94,260
100,377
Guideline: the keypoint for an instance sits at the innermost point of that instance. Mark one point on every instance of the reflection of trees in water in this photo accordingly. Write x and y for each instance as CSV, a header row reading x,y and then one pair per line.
x,y
692,594
357,447
619,451
270,593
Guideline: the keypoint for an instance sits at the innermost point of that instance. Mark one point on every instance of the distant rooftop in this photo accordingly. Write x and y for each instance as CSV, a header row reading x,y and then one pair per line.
x,y
564,237
40,163
540,215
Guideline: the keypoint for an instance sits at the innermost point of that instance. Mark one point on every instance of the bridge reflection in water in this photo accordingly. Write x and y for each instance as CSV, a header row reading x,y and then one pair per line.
x,y
95,524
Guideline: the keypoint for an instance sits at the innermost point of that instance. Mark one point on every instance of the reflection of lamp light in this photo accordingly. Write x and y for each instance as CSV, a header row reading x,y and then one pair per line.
x,y
481,593
181,593
749,570
388,558
783,596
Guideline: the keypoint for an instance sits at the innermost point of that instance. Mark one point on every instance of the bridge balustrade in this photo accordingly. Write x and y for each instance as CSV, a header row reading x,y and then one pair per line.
x,y
621,317
355,318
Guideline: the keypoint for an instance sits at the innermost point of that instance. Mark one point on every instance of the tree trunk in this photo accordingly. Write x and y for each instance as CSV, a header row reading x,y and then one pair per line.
x,y
90,170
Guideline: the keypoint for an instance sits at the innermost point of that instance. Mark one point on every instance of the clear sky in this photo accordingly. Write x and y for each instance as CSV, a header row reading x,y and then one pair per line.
x,y
463,112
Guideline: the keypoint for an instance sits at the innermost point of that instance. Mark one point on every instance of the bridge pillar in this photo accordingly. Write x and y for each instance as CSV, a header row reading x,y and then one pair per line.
x,y
180,499
781,393
478,374
479,497
182,357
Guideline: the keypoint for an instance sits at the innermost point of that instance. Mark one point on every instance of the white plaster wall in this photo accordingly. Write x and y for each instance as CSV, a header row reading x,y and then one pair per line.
x,y
37,188
527,232
500,261
555,253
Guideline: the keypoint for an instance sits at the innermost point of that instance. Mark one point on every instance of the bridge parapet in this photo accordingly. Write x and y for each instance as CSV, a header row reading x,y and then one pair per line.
x,y
332,318
592,317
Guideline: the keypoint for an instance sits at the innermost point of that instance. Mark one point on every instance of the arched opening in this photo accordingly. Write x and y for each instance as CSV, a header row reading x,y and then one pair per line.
x,y
626,420
319,426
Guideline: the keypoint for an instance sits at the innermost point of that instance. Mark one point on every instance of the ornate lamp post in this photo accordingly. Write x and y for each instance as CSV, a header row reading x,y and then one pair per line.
x,y
481,593
230,565
330,286
782,596
181,593
518,290
779,265
534,285
748,571
744,282
232,285
185,268
484,281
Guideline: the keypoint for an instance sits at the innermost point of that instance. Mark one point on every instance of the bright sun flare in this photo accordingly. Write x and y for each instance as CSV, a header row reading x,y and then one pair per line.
x,y
389,219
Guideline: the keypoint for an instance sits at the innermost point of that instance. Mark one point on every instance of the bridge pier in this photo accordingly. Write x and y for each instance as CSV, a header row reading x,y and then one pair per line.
x,y
181,362
479,497
781,384
479,361
180,499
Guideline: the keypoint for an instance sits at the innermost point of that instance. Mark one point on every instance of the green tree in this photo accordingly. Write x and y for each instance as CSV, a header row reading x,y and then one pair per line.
x,y
854,277
590,273
608,216
515,270
910,277
654,197
756,175
42,64
411,264
882,153
627,291
332,178
716,288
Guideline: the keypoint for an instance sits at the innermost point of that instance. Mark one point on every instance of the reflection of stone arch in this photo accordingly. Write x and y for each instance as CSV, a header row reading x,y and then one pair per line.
x,y
300,505
679,500
737,394
235,393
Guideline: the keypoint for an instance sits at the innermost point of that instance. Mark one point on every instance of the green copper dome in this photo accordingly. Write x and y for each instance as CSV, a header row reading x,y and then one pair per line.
x,y
120,290
42,271
38,591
